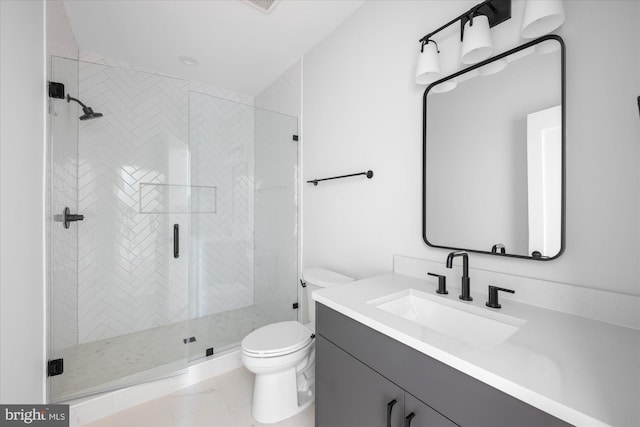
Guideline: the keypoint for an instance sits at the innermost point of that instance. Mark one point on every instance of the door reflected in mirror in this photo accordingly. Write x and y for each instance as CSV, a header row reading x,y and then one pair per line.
x,y
494,155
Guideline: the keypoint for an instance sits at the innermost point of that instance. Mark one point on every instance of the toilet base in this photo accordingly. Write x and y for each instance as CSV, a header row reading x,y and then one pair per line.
x,y
276,397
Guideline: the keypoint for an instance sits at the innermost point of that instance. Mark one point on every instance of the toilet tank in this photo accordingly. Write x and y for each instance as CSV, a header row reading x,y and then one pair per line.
x,y
317,278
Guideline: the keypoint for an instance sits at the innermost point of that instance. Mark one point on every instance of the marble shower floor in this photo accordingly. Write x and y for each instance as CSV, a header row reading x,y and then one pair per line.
x,y
111,363
223,401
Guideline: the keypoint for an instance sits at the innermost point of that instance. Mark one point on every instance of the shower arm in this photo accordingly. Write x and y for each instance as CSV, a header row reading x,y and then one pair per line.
x,y
70,98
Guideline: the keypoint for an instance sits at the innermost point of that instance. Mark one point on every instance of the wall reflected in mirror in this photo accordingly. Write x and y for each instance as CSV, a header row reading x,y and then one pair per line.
x,y
494,155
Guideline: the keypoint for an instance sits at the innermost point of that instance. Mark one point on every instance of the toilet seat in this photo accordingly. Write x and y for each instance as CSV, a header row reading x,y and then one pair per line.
x,y
276,339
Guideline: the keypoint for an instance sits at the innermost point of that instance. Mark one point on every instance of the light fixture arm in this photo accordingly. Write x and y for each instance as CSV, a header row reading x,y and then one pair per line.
x,y
498,11
469,17
433,33
424,42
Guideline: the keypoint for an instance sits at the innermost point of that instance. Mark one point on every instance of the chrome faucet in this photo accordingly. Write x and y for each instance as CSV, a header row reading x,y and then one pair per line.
x,y
466,281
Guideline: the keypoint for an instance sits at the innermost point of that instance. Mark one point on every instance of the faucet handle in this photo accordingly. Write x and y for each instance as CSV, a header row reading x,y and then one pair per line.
x,y
493,296
442,283
498,248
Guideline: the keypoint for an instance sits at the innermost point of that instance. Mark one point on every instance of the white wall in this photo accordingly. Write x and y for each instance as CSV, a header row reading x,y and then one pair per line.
x,y
362,111
283,94
60,38
22,154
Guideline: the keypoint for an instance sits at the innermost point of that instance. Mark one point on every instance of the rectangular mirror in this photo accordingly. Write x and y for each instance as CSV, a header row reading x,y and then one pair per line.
x,y
494,148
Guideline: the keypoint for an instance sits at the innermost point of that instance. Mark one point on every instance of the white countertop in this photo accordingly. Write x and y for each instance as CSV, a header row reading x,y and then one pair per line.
x,y
582,371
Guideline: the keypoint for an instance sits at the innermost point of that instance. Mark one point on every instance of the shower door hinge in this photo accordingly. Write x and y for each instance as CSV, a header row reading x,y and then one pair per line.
x,y
56,90
55,367
295,305
295,137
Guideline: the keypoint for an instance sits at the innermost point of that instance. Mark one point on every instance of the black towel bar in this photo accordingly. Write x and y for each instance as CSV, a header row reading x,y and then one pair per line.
x,y
369,175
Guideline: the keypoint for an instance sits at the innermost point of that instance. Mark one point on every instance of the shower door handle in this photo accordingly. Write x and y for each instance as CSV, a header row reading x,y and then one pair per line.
x,y
176,241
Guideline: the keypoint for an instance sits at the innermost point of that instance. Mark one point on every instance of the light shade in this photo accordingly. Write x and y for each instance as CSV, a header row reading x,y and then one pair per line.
x,y
541,17
428,66
476,42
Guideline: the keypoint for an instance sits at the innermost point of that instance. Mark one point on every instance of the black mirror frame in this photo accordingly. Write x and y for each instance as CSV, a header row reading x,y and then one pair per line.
x,y
563,149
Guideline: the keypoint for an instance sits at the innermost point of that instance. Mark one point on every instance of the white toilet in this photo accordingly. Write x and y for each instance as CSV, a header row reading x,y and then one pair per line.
x,y
282,357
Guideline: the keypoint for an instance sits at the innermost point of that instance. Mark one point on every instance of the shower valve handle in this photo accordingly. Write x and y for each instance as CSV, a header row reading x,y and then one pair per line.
x,y
67,217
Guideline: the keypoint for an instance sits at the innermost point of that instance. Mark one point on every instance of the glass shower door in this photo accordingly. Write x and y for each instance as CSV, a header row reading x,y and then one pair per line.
x,y
244,263
118,277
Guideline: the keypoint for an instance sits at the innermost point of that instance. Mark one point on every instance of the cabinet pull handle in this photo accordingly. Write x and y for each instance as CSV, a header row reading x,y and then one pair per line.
x,y
176,241
389,409
408,418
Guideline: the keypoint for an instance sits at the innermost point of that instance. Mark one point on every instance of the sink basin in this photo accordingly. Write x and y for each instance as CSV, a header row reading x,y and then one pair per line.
x,y
455,319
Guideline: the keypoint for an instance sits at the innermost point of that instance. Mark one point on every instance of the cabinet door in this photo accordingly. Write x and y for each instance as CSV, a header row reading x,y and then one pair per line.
x,y
350,394
418,414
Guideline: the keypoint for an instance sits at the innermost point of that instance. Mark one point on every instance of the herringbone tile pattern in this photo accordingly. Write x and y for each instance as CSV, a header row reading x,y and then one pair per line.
x,y
152,126
125,280
221,134
114,274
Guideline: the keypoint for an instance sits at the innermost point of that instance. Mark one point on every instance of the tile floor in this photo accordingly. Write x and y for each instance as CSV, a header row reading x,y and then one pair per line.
x,y
223,401
110,363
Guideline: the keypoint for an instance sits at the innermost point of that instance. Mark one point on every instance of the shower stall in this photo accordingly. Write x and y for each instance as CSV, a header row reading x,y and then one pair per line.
x,y
182,225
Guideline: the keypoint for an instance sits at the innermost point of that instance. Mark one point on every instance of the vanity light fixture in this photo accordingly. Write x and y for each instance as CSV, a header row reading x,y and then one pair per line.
x,y
541,17
474,36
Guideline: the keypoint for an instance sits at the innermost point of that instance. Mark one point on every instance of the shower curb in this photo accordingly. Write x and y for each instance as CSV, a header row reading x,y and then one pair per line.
x,y
93,408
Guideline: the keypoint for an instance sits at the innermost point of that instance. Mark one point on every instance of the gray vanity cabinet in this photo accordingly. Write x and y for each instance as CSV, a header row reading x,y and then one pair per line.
x,y
418,414
359,371
352,394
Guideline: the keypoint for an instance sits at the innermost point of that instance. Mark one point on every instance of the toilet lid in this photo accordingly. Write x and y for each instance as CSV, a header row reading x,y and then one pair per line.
x,y
277,338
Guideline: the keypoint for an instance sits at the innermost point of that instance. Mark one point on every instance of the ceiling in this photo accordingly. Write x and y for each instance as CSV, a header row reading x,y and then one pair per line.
x,y
238,47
